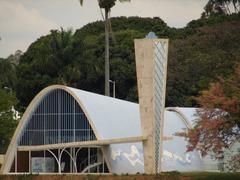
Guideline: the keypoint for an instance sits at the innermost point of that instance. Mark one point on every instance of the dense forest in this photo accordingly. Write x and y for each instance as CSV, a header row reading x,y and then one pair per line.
x,y
199,53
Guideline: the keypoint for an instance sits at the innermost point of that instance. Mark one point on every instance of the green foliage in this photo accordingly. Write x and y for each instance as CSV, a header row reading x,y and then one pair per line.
x,y
172,174
211,175
199,59
143,25
106,4
8,73
189,176
7,122
49,60
212,21
218,127
199,53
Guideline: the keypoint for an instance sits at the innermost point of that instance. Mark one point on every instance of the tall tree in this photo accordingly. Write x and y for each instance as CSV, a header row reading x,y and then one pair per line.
x,y
106,5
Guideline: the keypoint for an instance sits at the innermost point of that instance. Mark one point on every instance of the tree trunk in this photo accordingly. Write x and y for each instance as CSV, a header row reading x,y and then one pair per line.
x,y
107,92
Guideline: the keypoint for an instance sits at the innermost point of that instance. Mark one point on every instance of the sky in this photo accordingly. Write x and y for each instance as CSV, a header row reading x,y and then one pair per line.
x,y
24,21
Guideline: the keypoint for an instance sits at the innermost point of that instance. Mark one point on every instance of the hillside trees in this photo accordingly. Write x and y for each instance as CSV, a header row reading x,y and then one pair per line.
x,y
48,61
7,122
8,99
8,70
196,61
198,54
8,74
81,63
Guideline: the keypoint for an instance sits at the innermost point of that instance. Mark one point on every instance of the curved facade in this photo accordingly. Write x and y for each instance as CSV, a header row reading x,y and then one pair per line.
x,y
57,118
75,131
174,155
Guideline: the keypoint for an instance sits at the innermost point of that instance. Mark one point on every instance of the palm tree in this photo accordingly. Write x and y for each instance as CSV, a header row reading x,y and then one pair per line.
x,y
106,5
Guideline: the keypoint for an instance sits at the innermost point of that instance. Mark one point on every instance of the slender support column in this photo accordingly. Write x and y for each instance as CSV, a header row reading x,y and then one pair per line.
x,y
74,121
105,158
44,154
59,117
71,158
103,166
59,162
56,158
74,158
78,151
16,161
29,163
89,157
151,66
97,160
76,155
70,161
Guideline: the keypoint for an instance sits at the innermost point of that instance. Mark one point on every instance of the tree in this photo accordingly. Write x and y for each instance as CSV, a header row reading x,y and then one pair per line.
x,y
48,61
15,58
7,122
106,5
195,58
219,123
8,73
218,7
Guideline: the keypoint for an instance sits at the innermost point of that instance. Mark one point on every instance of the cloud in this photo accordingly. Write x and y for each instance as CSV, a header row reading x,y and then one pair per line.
x,y
16,16
18,25
23,21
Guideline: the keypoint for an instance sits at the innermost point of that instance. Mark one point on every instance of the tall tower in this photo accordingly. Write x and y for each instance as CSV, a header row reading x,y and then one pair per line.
x,y
151,64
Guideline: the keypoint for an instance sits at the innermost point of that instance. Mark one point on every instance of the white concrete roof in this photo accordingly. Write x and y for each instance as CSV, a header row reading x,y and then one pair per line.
x,y
190,113
112,118
115,118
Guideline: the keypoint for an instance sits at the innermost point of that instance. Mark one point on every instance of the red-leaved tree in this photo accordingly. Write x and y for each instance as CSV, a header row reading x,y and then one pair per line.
x,y
219,117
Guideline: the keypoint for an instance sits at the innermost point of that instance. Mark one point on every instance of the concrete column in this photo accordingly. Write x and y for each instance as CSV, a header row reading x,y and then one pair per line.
x,y
151,67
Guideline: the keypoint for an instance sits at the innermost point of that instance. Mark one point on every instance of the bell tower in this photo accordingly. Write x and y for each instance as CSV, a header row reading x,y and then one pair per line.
x,y
151,66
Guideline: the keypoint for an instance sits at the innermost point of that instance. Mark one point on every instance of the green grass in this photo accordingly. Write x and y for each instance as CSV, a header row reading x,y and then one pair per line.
x,y
174,175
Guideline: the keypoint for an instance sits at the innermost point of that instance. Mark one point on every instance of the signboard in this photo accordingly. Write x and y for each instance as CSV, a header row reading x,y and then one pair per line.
x,y
43,165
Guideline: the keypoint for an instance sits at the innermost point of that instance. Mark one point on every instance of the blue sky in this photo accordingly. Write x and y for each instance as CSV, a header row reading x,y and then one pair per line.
x,y
24,21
